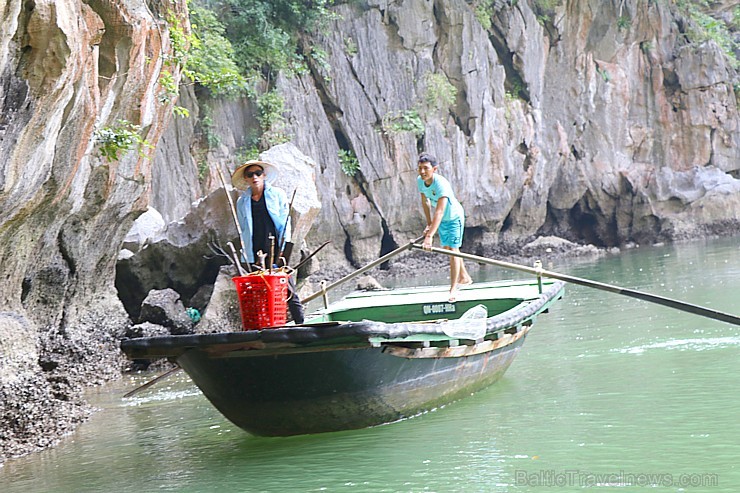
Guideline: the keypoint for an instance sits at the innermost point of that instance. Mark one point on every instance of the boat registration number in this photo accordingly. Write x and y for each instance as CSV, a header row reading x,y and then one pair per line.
x,y
437,308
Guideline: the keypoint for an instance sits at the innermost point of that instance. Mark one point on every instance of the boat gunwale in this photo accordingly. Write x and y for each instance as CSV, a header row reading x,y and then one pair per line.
x,y
333,333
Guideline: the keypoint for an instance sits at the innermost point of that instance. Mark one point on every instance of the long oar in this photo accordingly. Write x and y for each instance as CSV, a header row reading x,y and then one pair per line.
x,y
640,295
152,382
362,270
232,207
308,257
281,240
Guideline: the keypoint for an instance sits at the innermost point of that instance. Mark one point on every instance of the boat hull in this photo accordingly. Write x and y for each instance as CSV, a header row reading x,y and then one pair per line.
x,y
331,390
349,367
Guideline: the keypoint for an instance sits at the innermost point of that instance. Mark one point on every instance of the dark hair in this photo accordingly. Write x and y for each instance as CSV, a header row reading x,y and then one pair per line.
x,y
425,157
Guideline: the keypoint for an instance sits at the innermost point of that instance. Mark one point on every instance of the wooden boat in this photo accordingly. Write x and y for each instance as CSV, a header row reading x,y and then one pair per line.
x,y
371,358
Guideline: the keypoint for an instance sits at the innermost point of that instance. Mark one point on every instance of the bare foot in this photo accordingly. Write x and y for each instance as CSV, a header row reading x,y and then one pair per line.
x,y
453,295
466,282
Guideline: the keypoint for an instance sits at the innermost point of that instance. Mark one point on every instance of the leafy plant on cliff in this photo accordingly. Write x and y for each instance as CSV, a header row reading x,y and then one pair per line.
x,y
271,107
705,27
483,10
440,93
545,9
121,138
320,56
207,127
265,33
211,61
404,121
348,161
623,22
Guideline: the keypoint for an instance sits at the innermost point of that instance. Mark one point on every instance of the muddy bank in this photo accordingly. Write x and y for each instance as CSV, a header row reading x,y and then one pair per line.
x,y
41,397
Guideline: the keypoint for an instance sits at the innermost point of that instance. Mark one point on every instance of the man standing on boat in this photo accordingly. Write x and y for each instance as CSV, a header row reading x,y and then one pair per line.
x,y
263,212
448,218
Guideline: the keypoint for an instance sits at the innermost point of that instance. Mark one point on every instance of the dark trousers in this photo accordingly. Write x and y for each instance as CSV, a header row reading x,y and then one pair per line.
x,y
295,307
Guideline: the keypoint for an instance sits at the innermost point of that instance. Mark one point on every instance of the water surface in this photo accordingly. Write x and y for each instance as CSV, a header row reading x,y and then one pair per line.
x,y
608,393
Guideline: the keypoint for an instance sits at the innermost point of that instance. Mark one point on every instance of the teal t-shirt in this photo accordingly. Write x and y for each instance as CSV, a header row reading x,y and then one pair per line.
x,y
440,187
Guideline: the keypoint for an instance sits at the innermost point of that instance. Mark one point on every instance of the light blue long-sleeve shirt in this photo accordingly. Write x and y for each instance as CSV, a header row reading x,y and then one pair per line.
x,y
277,207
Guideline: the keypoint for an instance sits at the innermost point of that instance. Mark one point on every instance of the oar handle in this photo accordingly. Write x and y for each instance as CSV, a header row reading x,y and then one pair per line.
x,y
152,382
640,295
362,270
232,208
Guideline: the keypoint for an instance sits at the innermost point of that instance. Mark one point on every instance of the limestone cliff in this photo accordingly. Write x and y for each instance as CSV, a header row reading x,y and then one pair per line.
x,y
67,69
594,120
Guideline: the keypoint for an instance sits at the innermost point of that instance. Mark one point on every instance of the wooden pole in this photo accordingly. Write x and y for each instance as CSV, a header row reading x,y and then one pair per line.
x,y
152,381
362,270
232,207
640,295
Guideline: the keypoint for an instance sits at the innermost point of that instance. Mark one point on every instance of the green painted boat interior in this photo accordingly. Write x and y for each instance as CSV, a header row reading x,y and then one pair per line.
x,y
426,303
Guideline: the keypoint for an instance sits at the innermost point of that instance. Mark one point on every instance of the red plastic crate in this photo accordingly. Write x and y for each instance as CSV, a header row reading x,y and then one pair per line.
x,y
262,299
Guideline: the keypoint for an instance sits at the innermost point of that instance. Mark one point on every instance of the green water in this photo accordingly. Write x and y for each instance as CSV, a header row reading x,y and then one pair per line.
x,y
608,394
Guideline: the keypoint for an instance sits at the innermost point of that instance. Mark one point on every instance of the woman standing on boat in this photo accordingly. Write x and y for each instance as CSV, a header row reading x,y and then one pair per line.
x,y
263,212
448,218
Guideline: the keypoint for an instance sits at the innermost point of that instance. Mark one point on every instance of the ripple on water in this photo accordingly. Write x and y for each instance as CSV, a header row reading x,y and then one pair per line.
x,y
694,344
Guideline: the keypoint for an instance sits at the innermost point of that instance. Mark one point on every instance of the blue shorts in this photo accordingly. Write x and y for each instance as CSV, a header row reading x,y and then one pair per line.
x,y
451,233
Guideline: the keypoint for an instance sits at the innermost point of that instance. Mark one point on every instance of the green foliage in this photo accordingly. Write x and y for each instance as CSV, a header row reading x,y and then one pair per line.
x,y
509,100
706,27
440,93
320,56
623,22
350,47
265,33
483,10
605,75
180,41
270,115
207,127
348,161
212,138
247,153
202,169
211,58
406,121
545,9
121,138
181,111
204,56
168,84
517,85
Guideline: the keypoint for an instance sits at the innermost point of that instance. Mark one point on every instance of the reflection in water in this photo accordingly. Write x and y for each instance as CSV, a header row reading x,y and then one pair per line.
x,y
604,384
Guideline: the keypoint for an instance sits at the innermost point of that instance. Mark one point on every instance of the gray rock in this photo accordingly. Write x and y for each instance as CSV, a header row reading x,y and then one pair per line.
x,y
369,283
147,227
147,329
222,313
163,307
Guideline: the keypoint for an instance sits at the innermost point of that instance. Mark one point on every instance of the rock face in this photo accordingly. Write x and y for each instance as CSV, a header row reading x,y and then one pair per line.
x,y
67,69
595,121
586,121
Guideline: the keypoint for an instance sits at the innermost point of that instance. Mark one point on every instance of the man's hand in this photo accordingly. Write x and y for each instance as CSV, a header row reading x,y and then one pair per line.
x,y
427,245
